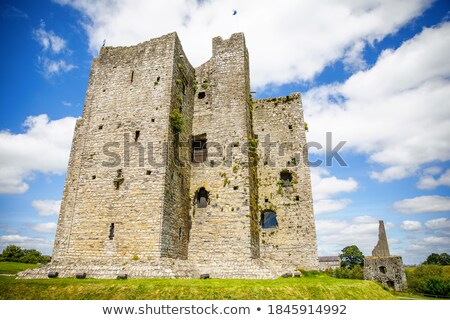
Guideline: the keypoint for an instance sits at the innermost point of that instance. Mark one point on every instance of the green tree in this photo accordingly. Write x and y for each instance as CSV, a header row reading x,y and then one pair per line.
x,y
16,254
442,259
351,256
12,253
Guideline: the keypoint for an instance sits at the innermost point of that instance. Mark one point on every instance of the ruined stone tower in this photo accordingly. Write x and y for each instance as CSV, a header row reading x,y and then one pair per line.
x,y
381,266
176,171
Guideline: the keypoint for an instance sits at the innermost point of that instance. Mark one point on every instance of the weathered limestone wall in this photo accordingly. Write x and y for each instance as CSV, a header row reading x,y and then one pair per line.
x,y
386,270
221,231
279,125
130,90
177,221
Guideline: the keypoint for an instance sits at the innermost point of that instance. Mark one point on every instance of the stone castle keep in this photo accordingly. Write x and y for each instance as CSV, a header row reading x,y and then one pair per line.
x,y
169,174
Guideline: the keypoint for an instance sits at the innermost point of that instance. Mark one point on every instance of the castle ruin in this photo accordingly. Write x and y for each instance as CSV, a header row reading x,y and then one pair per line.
x,y
176,171
381,266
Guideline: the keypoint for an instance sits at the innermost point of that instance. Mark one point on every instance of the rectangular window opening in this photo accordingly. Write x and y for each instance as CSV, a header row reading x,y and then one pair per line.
x,y
199,148
136,135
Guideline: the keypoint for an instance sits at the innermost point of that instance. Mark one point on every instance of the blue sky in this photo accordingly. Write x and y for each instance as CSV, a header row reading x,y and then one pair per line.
x,y
376,74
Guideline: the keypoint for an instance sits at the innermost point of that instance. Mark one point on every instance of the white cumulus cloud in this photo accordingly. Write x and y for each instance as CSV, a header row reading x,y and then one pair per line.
x,y
326,188
335,234
288,40
411,225
43,147
48,39
53,46
46,207
39,243
49,227
396,112
427,181
439,223
423,204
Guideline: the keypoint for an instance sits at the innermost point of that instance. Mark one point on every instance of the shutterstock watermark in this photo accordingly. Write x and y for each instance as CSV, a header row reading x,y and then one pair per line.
x,y
130,152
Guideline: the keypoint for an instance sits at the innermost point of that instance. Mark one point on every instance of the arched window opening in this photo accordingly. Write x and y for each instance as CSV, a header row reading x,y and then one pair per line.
x,y
286,178
269,219
202,198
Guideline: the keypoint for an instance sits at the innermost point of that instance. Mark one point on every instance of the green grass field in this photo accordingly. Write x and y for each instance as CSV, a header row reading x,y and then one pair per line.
x,y
14,267
319,287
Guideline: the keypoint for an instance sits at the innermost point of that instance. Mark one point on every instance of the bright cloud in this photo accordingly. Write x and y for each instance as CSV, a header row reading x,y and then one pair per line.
x,y
48,39
46,207
314,33
54,67
325,187
334,235
21,154
49,227
395,112
423,204
440,223
52,45
42,244
427,181
409,225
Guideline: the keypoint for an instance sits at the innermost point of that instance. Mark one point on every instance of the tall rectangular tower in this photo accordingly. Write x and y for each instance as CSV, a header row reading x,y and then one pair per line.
x,y
125,194
224,228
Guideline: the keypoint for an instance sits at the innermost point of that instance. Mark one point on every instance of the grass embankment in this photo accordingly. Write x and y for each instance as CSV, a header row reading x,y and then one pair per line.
x,y
317,287
14,267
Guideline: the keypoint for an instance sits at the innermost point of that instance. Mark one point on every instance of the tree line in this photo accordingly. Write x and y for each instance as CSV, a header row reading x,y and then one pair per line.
x,y
16,254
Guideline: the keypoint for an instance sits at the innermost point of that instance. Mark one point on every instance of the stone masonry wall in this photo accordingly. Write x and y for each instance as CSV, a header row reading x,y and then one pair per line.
x,y
386,270
221,232
279,126
177,221
129,94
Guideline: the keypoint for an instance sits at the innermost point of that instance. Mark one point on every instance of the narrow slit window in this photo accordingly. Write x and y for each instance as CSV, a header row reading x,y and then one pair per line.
x,y
136,135
111,231
119,179
132,76
179,233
